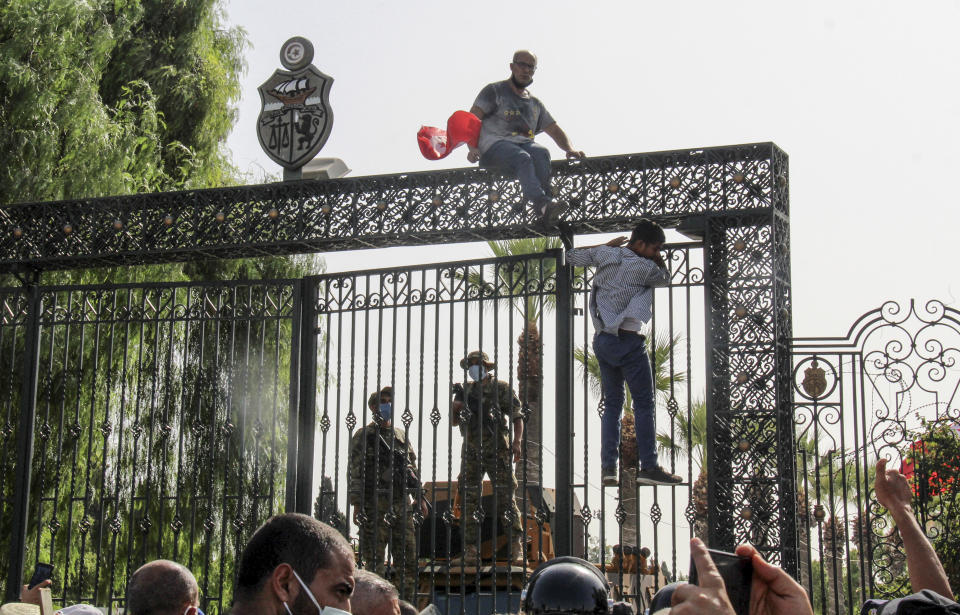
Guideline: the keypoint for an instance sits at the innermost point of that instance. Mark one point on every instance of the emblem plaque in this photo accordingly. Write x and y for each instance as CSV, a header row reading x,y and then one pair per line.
x,y
295,116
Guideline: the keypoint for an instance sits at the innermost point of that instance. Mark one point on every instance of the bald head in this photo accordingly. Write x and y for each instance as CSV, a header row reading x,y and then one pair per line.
x,y
373,595
522,55
162,587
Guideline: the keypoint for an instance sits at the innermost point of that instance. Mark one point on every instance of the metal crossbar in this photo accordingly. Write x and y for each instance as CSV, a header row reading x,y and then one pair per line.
x,y
456,205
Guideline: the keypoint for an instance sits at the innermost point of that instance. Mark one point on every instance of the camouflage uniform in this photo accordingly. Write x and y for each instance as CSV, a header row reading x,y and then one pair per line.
x,y
379,490
486,450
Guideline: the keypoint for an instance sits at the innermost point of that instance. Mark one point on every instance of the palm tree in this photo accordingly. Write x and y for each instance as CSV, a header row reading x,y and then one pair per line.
x,y
662,379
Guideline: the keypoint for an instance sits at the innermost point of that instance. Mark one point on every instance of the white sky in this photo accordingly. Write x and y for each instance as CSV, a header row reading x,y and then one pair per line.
x,y
862,96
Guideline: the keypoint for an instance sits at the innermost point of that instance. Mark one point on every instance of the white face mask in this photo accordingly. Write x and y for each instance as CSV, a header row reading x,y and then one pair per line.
x,y
327,610
477,372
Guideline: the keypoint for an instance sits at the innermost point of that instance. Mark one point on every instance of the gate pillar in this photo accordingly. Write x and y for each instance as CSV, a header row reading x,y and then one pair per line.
x,y
749,418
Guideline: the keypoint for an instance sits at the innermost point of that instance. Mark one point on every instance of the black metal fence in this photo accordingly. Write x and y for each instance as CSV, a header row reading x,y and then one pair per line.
x,y
409,328
168,420
159,428
886,389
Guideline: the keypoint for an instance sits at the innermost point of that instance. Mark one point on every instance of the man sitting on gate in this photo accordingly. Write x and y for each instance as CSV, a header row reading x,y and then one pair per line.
x,y
511,118
384,490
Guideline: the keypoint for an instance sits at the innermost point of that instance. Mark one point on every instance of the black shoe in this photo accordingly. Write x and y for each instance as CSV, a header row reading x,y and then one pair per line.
x,y
552,210
658,476
608,476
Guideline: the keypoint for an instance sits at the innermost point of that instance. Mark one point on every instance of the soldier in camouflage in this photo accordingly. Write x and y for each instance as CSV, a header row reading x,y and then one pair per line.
x,y
481,408
385,492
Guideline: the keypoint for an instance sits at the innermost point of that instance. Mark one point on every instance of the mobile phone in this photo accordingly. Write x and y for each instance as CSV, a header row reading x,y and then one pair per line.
x,y
737,573
40,574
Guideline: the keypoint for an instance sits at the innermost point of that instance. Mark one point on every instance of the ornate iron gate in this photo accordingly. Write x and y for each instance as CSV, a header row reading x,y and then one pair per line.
x,y
159,428
732,200
886,389
409,328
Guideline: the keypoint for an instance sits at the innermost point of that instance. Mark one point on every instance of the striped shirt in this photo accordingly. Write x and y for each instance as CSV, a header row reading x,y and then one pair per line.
x,y
622,296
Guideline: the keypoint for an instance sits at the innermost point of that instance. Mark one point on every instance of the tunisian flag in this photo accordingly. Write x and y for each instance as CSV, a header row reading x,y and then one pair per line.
x,y
437,143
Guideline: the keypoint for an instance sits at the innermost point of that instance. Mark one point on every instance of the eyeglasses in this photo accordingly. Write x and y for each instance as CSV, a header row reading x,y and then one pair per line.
x,y
530,67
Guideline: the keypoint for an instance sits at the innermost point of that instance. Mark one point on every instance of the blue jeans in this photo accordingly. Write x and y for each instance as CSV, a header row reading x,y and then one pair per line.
x,y
622,359
528,162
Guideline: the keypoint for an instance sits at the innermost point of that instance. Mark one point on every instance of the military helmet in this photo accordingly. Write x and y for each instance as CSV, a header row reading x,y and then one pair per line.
x,y
476,354
566,586
662,599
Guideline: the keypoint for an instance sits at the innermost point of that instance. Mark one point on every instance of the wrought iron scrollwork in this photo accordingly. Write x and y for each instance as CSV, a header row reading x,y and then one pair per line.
x,y
380,211
886,389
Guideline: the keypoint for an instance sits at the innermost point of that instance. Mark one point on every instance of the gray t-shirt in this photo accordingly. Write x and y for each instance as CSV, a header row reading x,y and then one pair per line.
x,y
508,117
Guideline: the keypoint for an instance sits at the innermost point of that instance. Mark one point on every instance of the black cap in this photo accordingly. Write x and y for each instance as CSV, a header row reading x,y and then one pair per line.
x,y
661,600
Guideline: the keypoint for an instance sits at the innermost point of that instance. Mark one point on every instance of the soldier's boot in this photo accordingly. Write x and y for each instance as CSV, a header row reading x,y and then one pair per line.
x,y
468,557
518,551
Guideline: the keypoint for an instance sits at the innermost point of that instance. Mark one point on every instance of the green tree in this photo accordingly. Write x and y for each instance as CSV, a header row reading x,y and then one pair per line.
x,y
103,98
109,97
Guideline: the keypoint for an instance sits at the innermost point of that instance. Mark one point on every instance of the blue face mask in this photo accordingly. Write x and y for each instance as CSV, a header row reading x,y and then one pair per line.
x,y
386,411
477,372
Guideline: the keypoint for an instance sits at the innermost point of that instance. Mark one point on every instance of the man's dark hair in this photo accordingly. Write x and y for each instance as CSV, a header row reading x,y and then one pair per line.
x,y
304,543
161,587
407,609
647,231
374,400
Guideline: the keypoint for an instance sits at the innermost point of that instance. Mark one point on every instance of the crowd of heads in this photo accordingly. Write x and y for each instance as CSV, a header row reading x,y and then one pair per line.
x,y
296,565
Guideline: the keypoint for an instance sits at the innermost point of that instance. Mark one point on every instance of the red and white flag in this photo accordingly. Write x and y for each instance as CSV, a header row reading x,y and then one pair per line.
x,y
437,143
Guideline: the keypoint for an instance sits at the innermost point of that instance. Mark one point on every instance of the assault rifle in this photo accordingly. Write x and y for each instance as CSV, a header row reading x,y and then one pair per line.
x,y
405,471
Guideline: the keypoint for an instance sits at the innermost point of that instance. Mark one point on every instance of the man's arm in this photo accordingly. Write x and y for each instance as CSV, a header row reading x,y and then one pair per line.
x,y
584,255
474,154
657,275
517,439
356,465
32,596
455,413
923,565
556,133
509,399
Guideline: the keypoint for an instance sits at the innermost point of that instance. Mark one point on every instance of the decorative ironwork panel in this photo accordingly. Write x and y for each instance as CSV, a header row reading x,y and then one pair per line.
x,y
749,420
888,389
13,322
161,426
605,194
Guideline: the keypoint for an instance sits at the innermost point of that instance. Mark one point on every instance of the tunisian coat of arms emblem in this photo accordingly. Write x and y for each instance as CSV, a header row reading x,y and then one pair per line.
x,y
295,116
